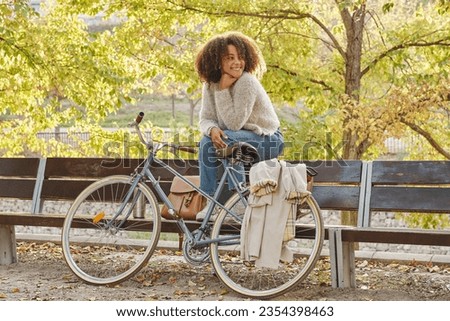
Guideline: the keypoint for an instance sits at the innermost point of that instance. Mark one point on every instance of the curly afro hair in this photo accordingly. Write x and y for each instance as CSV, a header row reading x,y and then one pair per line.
x,y
208,61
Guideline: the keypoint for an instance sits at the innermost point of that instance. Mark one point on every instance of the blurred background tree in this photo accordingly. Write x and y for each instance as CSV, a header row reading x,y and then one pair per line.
x,y
358,71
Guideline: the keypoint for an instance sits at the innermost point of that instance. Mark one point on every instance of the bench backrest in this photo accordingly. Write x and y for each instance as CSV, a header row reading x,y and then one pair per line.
x,y
337,185
407,186
18,177
65,178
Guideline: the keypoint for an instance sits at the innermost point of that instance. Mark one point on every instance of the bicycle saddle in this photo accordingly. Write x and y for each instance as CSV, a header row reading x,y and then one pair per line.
x,y
239,152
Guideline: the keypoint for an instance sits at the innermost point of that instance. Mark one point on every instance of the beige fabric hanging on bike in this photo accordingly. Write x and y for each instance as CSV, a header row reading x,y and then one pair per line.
x,y
266,224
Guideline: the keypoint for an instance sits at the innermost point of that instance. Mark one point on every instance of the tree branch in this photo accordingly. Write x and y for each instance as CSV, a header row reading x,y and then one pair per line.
x,y
281,14
293,73
327,43
427,136
442,42
292,15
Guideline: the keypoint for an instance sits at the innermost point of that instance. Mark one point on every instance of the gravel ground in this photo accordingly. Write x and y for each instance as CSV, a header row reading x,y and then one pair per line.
x,y
42,275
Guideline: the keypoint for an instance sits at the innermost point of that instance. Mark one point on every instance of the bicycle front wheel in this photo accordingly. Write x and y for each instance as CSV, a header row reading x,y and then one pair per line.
x,y
107,238
245,277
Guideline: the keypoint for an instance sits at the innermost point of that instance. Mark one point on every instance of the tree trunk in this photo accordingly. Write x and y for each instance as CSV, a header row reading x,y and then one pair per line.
x,y
354,25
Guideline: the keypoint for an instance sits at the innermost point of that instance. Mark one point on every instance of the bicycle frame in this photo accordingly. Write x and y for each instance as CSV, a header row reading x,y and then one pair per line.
x,y
146,174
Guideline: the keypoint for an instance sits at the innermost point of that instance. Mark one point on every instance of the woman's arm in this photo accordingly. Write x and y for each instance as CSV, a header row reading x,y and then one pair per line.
x,y
208,116
234,110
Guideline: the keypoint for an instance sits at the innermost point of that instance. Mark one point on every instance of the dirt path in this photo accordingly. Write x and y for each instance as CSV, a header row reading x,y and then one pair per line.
x,y
41,274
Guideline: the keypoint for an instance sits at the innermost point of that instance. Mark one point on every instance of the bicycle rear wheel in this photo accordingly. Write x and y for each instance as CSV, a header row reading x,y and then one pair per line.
x,y
245,277
101,249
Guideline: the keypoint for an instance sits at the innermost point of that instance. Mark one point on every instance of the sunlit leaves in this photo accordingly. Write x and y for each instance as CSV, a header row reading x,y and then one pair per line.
x,y
59,71
387,7
444,7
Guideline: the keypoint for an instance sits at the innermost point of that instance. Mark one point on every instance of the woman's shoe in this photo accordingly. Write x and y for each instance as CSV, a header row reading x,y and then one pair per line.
x,y
202,214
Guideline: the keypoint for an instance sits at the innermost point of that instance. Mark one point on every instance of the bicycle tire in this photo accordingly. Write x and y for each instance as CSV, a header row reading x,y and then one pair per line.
x,y
103,254
249,280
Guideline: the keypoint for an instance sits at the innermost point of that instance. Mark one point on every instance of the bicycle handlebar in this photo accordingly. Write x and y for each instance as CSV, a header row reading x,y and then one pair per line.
x,y
139,117
149,145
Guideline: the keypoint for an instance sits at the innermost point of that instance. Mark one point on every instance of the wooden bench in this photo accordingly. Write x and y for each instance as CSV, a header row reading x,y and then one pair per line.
x,y
62,179
337,187
393,186
18,178
363,187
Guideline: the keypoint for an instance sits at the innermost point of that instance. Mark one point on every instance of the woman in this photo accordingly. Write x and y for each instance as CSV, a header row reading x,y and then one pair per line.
x,y
235,106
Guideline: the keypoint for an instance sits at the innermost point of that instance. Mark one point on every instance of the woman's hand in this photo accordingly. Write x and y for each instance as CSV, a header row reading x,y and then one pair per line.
x,y
216,135
226,81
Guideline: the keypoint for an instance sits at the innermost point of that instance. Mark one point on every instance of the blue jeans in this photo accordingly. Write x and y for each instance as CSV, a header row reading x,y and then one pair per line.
x,y
268,146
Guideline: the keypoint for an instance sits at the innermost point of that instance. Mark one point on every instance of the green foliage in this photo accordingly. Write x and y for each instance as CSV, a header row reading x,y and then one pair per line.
x,y
387,7
309,138
59,71
427,221
443,7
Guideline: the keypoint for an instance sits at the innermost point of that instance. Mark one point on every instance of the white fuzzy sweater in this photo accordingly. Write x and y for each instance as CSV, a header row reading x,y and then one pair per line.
x,y
245,105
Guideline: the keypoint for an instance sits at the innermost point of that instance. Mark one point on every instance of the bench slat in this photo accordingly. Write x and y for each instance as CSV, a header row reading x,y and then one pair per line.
x,y
20,167
397,236
337,172
337,197
410,199
411,172
101,167
70,189
17,188
57,220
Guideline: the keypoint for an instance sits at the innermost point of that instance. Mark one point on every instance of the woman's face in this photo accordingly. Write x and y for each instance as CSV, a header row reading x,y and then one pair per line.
x,y
232,63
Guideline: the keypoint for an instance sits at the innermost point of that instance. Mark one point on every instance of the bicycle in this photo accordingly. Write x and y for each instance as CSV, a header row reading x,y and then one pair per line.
x,y
113,227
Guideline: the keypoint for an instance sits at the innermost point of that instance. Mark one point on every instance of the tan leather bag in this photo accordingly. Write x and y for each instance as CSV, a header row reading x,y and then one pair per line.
x,y
185,199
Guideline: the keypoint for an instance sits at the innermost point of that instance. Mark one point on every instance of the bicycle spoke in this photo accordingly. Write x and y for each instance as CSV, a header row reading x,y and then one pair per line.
x,y
103,245
245,277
